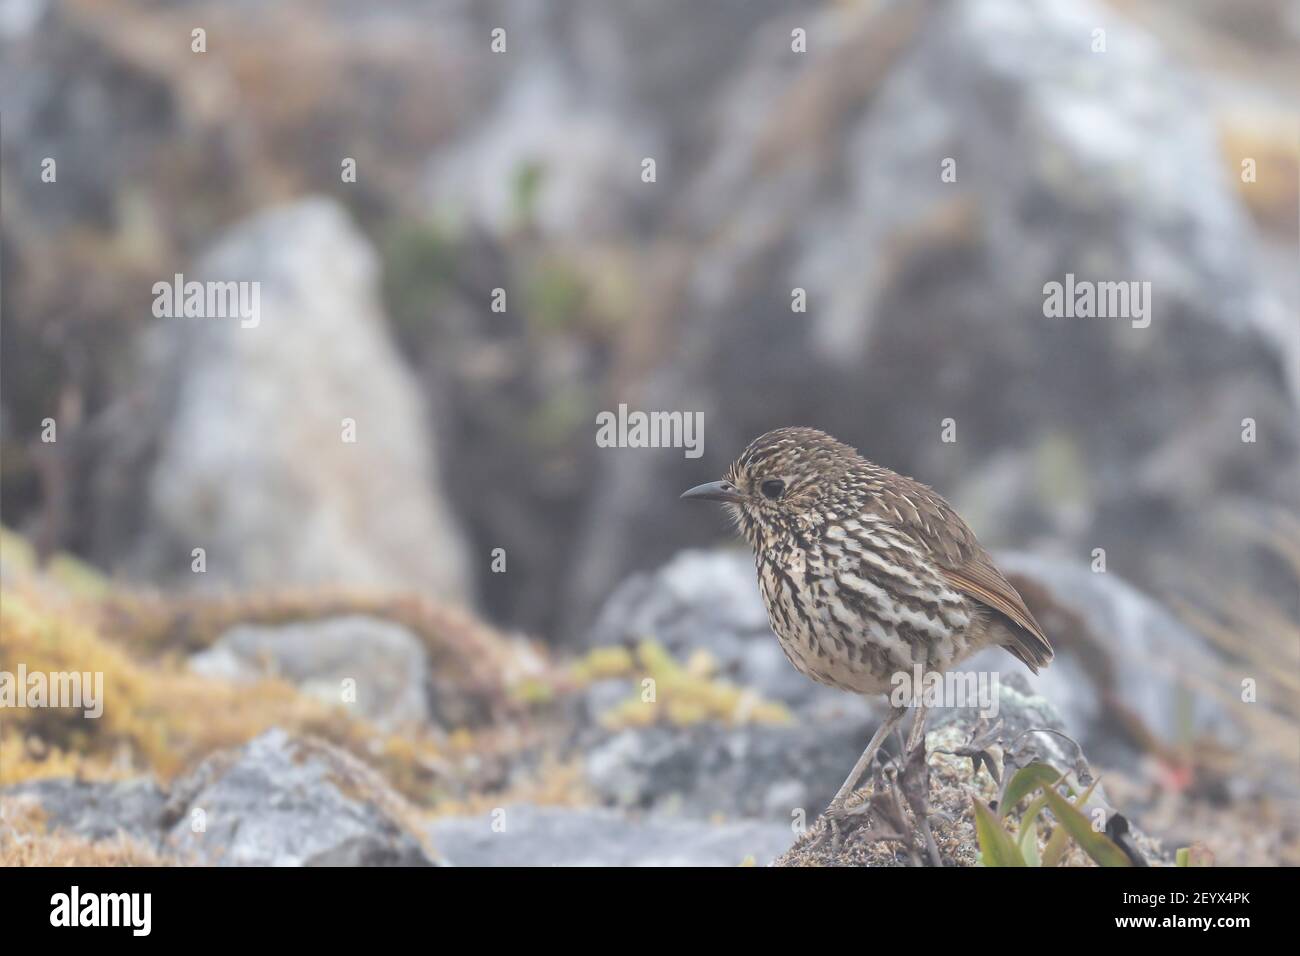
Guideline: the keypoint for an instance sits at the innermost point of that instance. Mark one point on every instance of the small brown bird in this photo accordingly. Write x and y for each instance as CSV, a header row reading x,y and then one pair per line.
x,y
866,574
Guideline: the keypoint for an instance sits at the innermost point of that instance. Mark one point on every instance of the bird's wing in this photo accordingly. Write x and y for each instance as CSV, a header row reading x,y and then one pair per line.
x,y
968,567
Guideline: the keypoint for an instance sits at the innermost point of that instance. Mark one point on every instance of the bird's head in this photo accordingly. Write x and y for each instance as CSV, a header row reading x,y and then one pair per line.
x,y
783,475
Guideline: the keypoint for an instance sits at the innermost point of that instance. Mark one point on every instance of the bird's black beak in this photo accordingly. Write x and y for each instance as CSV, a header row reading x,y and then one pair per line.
x,y
713,491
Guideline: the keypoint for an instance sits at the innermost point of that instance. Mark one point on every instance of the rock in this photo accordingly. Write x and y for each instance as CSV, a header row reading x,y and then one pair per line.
x,y
277,801
1067,162
72,95
563,836
754,771
1128,676
99,811
387,663
779,773
1126,671
282,801
709,600
253,466
1025,729
585,140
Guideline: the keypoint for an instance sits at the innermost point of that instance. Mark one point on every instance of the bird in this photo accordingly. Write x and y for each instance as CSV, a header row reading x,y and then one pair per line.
x,y
866,574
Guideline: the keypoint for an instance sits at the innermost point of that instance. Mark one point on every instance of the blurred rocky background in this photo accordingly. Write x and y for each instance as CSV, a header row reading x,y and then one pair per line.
x,y
485,695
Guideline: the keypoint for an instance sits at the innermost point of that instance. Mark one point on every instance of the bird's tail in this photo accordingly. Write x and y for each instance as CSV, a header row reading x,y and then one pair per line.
x,y
1028,646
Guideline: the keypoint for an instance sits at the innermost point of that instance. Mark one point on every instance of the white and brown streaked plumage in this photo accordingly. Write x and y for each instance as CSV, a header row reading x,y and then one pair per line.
x,y
866,573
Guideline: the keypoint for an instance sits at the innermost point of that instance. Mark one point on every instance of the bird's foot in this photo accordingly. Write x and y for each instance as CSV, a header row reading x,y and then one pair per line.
x,y
843,818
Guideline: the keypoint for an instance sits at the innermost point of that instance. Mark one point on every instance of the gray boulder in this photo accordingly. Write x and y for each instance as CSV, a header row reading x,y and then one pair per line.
x,y
562,836
386,662
253,465
708,600
283,801
760,772
99,810
277,801
1126,673
970,755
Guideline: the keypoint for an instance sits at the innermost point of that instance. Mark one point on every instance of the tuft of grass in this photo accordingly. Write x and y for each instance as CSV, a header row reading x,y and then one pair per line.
x,y
1256,674
25,842
1002,846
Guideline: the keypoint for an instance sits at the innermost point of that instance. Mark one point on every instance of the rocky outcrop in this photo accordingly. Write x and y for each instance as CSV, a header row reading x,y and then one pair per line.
x,y
281,801
277,801
296,449
1126,680
755,772
925,297
707,600
1129,677
970,756
375,665
99,811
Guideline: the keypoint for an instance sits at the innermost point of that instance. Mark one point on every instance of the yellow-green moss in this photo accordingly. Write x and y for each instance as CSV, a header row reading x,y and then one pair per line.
x,y
158,716
669,692
602,663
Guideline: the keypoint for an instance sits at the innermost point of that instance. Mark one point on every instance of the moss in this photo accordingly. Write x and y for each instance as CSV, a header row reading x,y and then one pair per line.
x,y
419,264
73,575
158,716
603,663
532,692
469,658
555,295
529,179
553,422
684,695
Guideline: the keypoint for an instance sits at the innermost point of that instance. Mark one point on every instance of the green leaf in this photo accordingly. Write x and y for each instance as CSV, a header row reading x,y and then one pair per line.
x,y
1057,844
1026,781
997,848
1027,836
1083,797
1097,845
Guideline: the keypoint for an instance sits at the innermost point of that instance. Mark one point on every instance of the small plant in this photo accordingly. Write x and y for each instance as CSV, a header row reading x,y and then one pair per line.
x,y
1195,855
1001,845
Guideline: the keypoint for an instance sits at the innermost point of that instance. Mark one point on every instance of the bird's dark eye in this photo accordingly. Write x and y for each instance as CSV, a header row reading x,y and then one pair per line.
x,y
772,488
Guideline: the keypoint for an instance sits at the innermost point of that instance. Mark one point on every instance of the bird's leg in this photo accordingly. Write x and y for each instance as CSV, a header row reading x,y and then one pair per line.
x,y
864,761
921,808
917,736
